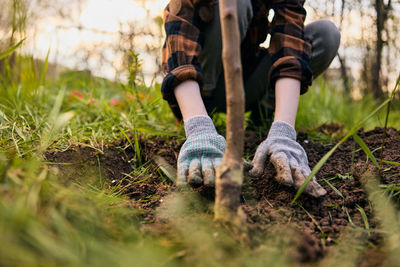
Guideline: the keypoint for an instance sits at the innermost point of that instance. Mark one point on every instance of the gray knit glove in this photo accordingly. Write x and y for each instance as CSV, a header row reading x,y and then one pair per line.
x,y
287,156
201,154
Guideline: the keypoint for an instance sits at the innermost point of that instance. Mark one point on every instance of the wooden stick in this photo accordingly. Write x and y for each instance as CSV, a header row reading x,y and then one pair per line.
x,y
229,174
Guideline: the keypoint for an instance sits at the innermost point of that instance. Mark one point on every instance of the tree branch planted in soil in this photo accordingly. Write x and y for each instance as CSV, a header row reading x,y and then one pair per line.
x,y
229,174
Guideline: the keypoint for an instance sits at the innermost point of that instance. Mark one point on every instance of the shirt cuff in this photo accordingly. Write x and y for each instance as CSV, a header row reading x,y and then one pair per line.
x,y
178,76
282,129
291,67
199,125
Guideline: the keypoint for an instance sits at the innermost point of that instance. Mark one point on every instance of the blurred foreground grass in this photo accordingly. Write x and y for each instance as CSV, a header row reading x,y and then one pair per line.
x,y
46,220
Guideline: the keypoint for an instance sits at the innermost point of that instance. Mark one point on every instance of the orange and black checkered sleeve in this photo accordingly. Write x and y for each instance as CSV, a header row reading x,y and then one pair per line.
x,y
182,47
289,51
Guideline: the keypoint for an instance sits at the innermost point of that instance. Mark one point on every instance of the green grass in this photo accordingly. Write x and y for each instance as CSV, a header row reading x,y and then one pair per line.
x,y
327,104
49,220
45,221
92,109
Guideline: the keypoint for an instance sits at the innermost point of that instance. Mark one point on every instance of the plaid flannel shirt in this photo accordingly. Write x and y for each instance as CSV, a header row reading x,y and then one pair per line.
x,y
290,53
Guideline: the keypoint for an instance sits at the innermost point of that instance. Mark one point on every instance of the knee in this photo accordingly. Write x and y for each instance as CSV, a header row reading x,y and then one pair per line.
x,y
329,33
245,15
324,38
245,8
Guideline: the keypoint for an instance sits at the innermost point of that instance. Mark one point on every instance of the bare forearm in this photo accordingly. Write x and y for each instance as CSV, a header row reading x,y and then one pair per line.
x,y
287,95
287,92
189,100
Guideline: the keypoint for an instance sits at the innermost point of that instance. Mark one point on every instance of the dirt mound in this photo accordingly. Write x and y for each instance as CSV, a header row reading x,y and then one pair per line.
x,y
117,163
346,200
266,202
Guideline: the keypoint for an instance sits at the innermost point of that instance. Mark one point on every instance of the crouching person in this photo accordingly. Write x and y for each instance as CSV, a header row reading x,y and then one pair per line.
x,y
274,78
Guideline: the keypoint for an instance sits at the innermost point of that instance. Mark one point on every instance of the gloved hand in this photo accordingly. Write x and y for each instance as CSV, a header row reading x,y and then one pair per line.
x,y
287,156
201,154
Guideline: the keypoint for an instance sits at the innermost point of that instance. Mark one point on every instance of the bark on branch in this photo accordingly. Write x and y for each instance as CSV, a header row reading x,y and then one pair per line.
x,y
229,174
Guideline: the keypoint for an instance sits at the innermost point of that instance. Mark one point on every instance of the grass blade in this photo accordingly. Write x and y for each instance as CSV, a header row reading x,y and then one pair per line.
x,y
387,119
166,168
364,217
313,220
56,121
387,215
349,217
44,69
366,150
333,188
391,162
137,149
11,49
127,138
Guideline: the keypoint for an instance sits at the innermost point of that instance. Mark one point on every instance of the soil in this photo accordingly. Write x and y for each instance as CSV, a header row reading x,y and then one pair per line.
x,y
266,203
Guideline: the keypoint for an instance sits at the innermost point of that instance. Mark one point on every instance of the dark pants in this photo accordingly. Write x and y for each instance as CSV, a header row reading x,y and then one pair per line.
x,y
322,35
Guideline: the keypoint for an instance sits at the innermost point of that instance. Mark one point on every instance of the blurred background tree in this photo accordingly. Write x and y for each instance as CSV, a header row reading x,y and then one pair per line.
x,y
369,50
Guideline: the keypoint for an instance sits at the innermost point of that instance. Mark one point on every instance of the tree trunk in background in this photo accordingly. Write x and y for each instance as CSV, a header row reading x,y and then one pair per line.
x,y
382,12
343,68
376,87
230,173
345,77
